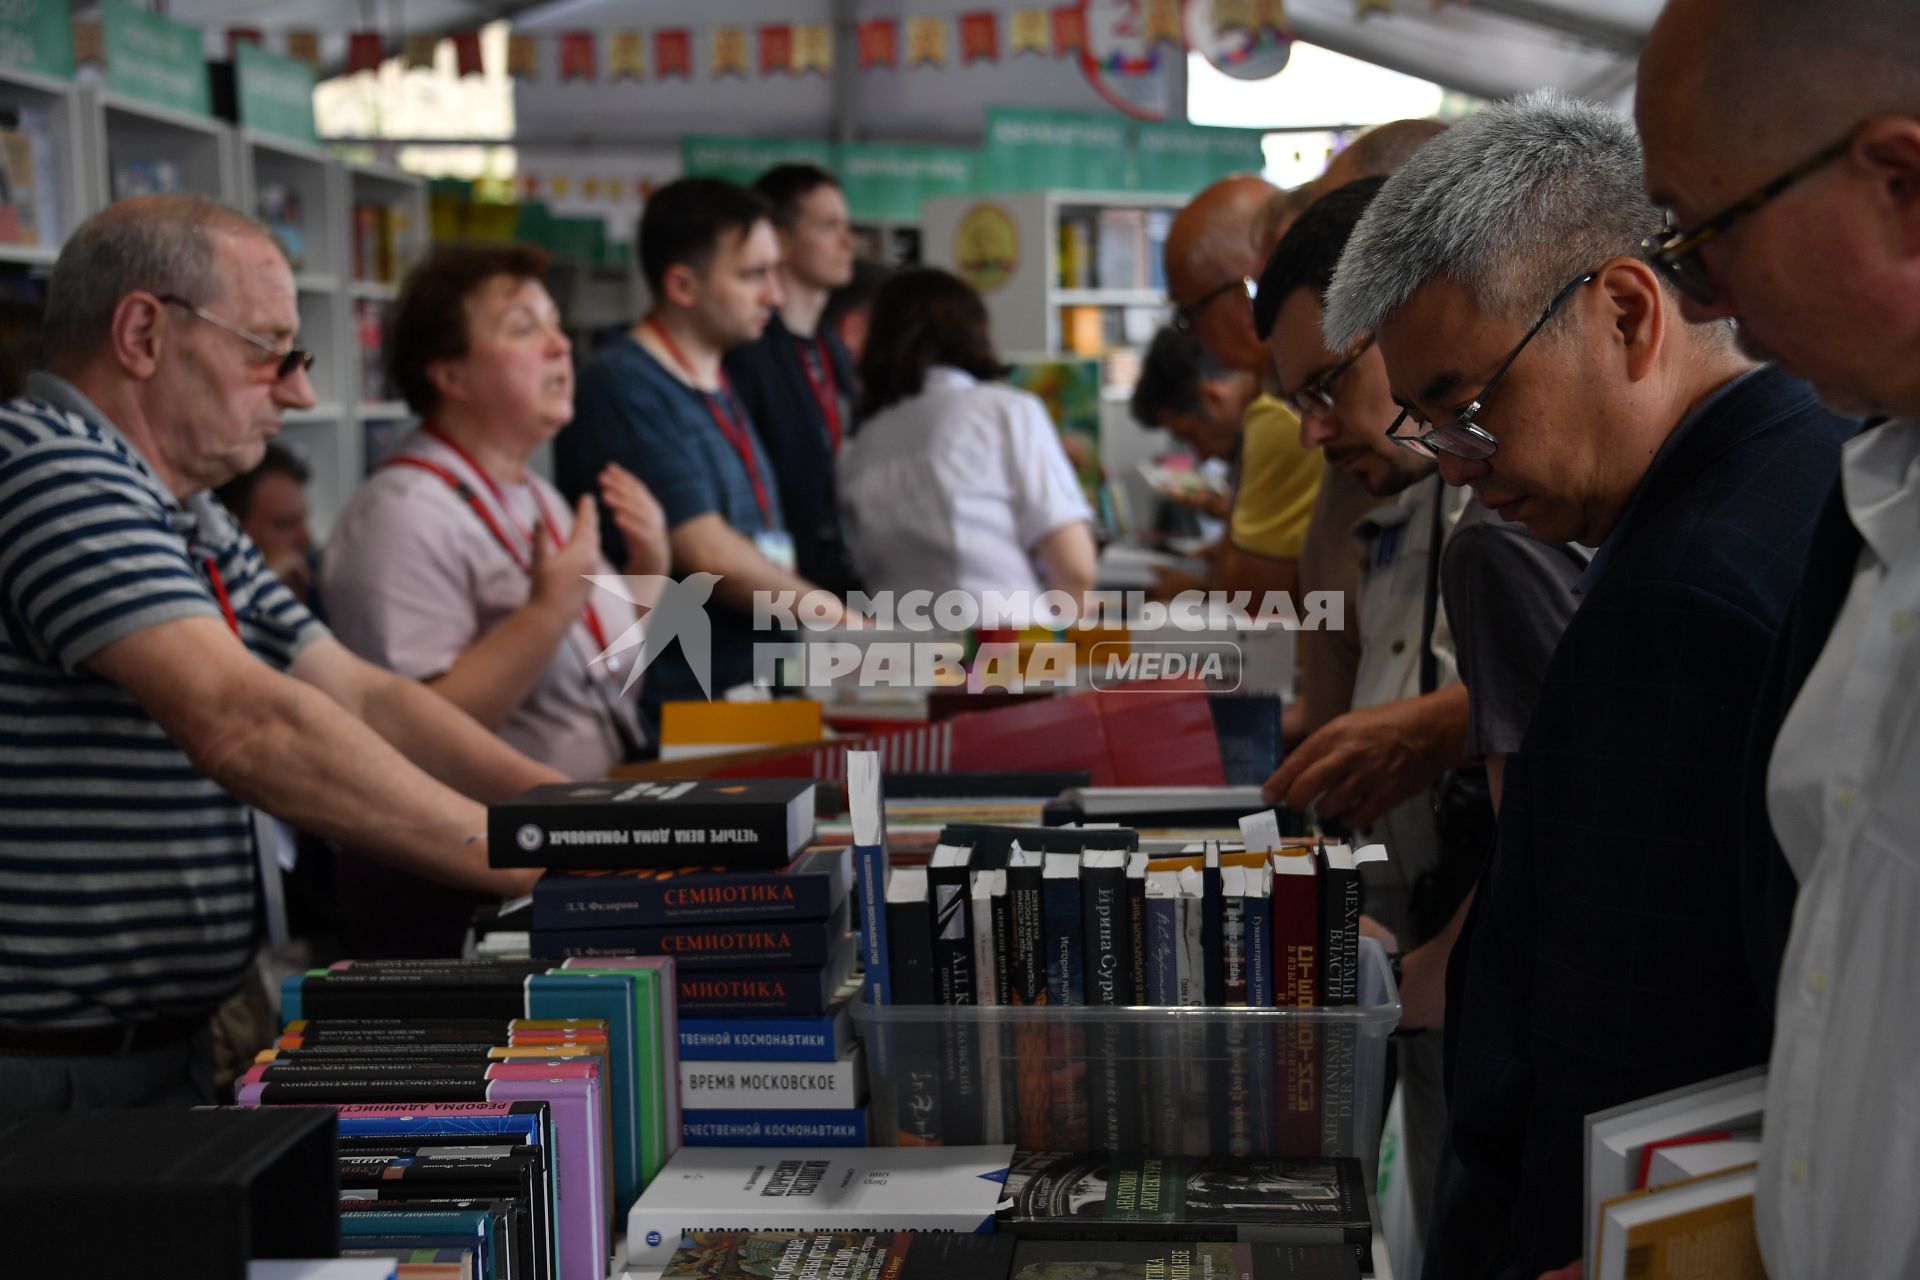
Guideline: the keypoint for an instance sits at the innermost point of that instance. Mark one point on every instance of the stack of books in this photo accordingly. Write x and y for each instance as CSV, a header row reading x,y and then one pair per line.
x,y
758,929
496,1116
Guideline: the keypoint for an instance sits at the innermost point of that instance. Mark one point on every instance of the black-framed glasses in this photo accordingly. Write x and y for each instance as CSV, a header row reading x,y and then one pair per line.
x,y
1676,255
1460,435
1316,398
290,359
1184,316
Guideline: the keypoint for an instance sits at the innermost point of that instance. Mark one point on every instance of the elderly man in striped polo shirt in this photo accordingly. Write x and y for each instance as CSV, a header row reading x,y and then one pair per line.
x,y
156,679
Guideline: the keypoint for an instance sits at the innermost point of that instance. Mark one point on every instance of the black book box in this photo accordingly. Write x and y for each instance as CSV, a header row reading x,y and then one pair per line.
x,y
166,1193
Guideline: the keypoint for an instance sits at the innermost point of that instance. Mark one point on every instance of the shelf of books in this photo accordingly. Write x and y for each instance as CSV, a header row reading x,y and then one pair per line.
x,y
137,148
41,190
1068,273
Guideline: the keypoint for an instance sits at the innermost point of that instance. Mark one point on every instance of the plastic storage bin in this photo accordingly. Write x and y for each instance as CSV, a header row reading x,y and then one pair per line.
x,y
1175,1082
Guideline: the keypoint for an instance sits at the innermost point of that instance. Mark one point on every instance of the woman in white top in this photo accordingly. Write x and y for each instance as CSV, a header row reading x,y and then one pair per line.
x,y
952,481
456,565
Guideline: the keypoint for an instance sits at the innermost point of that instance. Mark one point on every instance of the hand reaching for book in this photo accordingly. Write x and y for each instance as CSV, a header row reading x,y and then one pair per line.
x,y
1359,765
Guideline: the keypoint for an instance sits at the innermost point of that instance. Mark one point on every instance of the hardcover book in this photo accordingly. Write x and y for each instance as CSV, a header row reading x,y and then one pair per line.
x,y
842,1255
722,992
781,1086
760,944
814,1037
731,822
813,1189
1055,1195
808,888
759,1127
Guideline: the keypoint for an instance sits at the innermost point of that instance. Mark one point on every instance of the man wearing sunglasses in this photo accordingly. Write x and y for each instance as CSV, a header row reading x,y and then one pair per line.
x,y
1538,360
160,680
1797,212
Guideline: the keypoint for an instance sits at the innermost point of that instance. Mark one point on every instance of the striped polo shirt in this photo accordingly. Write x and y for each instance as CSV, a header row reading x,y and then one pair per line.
x,y
126,876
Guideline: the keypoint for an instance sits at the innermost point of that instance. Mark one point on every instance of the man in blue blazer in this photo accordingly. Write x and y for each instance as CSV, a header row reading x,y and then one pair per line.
x,y
1542,362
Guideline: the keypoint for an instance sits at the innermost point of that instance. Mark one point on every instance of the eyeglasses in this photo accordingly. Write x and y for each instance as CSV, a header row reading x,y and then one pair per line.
x,y
1184,316
290,359
1460,435
1677,254
1316,398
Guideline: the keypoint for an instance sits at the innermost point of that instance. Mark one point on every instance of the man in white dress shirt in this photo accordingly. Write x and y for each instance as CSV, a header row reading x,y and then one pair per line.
x,y
1785,140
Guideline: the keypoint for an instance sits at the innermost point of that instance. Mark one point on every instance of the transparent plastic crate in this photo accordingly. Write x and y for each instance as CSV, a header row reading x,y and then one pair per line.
x,y
1174,1082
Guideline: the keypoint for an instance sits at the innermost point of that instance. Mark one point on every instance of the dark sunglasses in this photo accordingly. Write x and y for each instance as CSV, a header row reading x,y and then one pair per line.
x,y
1677,254
290,359
1184,316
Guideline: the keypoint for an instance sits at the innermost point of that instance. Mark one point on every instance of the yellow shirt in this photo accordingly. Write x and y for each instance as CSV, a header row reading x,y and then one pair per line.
x,y
1278,481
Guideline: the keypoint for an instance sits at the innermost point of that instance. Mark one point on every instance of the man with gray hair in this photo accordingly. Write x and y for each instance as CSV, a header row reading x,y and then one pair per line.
x,y
1540,361
1784,140
161,680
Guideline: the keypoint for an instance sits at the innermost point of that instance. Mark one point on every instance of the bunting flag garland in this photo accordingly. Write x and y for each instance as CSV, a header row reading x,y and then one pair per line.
x,y
926,42
237,36
1363,9
879,40
1069,29
1027,32
89,42
577,56
304,46
813,48
1268,15
1163,22
1232,15
365,51
776,49
466,53
979,37
523,57
418,51
673,54
729,52
626,56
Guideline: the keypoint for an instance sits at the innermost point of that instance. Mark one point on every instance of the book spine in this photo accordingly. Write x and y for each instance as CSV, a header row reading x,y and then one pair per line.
x,y
947,891
822,1038
747,946
910,932
1233,937
775,991
757,1127
615,836
1258,920
741,1086
1113,1106
866,807
812,889
1161,949
1066,1044
1032,1086
1213,928
993,971
1339,927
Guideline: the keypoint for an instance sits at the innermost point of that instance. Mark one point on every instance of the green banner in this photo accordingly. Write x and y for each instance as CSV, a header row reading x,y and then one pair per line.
x,y
37,36
1028,150
742,160
154,59
1183,158
275,93
884,182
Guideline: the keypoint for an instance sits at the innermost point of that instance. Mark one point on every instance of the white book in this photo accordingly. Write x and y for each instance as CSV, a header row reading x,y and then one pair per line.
x,y
322,1269
775,1086
1101,802
1687,1160
815,1189
1618,1137
1703,1227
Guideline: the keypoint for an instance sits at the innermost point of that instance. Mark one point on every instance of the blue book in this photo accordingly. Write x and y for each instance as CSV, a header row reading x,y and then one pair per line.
x,y
866,805
817,1037
1259,922
808,888
758,944
1163,939
756,1128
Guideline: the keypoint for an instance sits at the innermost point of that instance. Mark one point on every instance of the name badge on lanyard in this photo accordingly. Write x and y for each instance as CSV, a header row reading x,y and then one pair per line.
x,y
777,546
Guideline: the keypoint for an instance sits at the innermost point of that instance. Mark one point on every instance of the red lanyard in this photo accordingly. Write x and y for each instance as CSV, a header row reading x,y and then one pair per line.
x,y
460,487
721,407
826,387
219,585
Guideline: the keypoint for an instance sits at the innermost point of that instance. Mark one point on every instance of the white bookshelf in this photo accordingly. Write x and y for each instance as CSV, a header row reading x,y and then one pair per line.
x,y
119,134
49,108
1026,309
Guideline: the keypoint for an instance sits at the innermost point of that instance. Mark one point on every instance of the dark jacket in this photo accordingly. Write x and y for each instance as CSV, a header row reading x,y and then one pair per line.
x,y
1606,956
772,381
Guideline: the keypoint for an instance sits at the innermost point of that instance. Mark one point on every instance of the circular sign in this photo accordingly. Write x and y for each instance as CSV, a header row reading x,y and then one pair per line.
x,y
1128,48
986,247
1238,39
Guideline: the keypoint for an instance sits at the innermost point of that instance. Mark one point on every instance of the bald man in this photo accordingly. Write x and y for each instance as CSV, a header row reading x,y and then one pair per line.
x,y
1210,267
1784,140
1379,152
